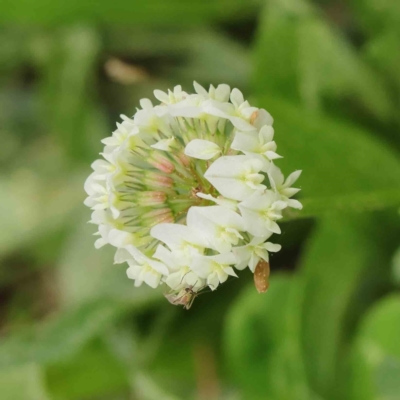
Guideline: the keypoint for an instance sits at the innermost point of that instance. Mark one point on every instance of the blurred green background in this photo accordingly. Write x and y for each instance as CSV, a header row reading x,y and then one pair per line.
x,y
73,327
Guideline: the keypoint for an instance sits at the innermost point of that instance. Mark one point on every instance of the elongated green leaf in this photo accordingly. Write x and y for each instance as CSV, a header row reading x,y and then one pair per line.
x,y
396,267
261,342
344,167
25,382
343,268
68,88
34,205
376,16
86,273
153,12
299,55
59,338
91,373
376,357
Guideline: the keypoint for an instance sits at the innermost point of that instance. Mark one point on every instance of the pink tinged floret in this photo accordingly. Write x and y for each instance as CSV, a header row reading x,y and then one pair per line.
x,y
155,217
161,163
184,159
151,198
154,179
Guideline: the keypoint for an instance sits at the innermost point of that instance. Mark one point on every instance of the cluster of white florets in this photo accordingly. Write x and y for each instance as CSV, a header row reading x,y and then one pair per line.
x,y
188,190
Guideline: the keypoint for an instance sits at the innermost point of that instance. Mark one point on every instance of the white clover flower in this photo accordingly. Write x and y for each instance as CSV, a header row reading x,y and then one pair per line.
x,y
187,190
257,249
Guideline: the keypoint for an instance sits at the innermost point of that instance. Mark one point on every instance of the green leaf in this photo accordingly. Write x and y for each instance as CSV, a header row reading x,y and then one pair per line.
x,y
91,373
299,55
261,342
343,268
152,12
34,205
147,388
344,167
24,382
68,88
376,357
376,16
86,273
60,337
396,267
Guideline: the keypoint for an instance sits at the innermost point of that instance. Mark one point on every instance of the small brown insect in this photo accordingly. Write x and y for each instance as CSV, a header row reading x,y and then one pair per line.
x,y
261,274
184,297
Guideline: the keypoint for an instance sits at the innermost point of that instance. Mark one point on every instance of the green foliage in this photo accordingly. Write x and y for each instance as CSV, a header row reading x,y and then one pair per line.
x,y
376,358
74,328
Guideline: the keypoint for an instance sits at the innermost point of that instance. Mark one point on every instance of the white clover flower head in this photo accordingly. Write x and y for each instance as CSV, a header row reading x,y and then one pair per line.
x,y
188,191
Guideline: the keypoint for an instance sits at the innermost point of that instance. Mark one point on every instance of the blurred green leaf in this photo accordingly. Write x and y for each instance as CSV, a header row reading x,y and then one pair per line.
x,y
90,373
377,15
396,267
354,202
86,273
68,87
34,205
376,357
299,55
261,342
344,167
25,382
60,337
342,257
153,12
147,389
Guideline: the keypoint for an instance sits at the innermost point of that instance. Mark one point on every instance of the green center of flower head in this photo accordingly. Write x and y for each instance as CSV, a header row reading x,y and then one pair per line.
x,y
188,189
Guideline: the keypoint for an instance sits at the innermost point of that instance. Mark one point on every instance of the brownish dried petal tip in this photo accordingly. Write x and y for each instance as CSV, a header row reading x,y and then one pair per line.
x,y
261,275
253,117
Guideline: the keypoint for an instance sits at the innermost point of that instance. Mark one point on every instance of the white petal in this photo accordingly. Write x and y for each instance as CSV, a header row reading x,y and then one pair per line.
x,y
272,226
227,175
259,239
275,176
267,133
295,204
246,141
174,280
199,89
159,267
222,93
218,215
254,259
202,149
152,279
289,192
292,178
272,247
271,155
241,124
213,281
263,118
279,205
119,238
237,97
225,259
176,236
253,221
242,254
146,104
230,271
168,258
121,256
164,144
231,204
202,266
161,96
